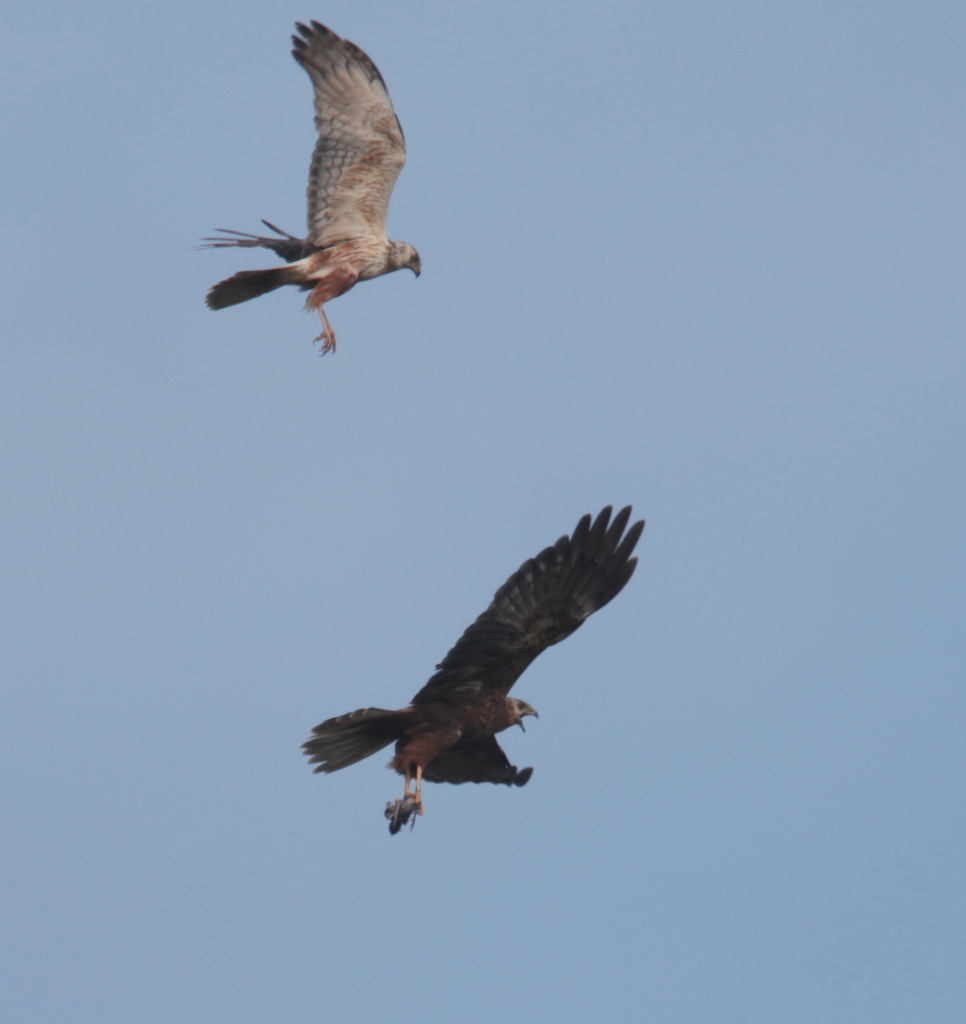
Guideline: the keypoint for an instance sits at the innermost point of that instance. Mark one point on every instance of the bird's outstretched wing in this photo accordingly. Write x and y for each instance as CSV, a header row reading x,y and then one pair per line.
x,y
287,247
360,150
543,602
480,759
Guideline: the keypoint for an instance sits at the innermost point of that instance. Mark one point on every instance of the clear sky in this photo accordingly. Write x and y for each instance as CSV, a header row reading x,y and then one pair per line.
x,y
705,258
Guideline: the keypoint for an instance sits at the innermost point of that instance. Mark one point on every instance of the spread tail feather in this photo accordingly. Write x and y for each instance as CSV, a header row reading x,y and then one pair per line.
x,y
249,284
339,742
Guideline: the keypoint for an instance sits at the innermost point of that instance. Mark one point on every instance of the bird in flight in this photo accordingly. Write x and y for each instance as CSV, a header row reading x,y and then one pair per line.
x,y
358,156
447,733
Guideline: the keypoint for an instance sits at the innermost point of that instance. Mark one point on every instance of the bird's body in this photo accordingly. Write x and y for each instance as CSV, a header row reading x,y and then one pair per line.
x,y
358,156
447,733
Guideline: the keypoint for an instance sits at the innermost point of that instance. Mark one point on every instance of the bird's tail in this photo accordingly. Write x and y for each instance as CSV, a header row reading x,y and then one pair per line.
x,y
339,742
249,284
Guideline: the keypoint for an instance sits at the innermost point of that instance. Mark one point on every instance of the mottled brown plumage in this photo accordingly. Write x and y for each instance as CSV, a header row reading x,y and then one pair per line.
x,y
358,156
447,733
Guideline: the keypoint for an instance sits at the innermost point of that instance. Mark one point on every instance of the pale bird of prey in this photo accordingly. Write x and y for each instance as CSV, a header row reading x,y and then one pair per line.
x,y
358,156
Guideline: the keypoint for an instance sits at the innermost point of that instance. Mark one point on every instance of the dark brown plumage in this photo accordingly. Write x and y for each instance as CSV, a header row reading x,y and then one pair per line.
x,y
357,158
447,733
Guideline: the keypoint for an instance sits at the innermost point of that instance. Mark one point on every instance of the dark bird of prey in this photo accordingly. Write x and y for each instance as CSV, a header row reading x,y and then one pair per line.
x,y
447,733
358,156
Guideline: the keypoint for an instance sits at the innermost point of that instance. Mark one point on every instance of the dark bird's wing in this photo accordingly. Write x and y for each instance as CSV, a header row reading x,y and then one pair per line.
x,y
360,150
286,246
476,760
543,602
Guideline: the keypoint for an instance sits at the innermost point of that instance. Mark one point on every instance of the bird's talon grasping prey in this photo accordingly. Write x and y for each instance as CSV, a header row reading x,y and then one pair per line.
x,y
448,732
399,813
358,156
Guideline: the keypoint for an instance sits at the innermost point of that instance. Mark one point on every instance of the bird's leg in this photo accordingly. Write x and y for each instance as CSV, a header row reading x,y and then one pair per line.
x,y
406,791
327,337
419,790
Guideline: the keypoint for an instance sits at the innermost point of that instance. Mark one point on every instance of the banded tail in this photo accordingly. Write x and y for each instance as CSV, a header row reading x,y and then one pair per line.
x,y
249,284
339,742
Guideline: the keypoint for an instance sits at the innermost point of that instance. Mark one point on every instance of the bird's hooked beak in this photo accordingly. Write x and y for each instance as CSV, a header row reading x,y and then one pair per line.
x,y
524,709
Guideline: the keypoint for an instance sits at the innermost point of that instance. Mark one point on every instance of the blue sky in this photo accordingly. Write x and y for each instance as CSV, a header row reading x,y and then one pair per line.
x,y
704,258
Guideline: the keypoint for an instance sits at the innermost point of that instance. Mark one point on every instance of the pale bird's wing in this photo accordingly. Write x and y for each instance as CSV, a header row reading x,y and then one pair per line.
x,y
360,150
287,247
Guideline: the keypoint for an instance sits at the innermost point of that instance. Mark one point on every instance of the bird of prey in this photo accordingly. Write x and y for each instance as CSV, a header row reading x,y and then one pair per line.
x,y
358,156
447,733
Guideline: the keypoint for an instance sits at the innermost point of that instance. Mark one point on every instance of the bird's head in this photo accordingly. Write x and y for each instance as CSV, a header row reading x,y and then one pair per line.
x,y
520,709
403,256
